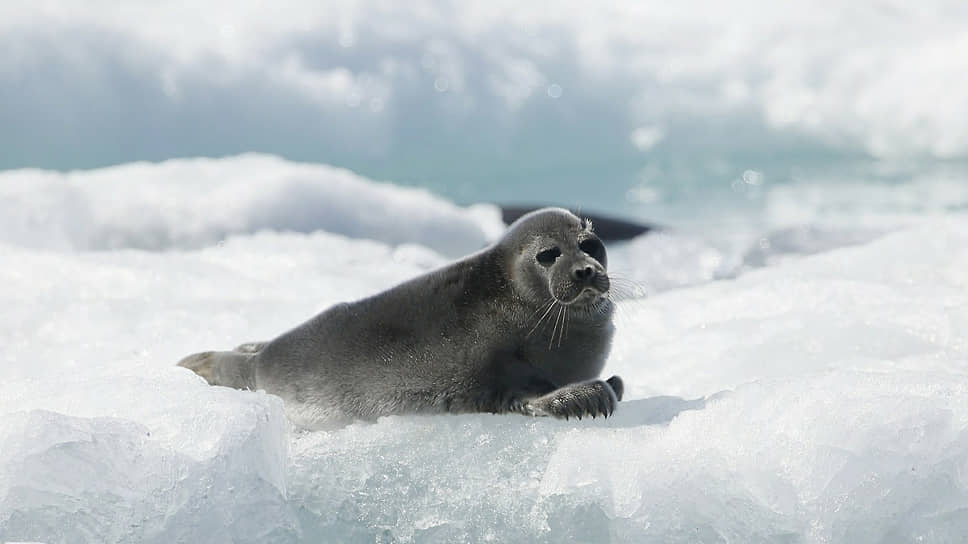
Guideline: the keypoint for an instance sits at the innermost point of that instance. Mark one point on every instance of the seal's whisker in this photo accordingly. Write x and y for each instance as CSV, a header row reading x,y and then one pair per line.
x,y
555,329
541,324
554,325
543,306
561,327
620,313
564,332
547,311
564,323
626,288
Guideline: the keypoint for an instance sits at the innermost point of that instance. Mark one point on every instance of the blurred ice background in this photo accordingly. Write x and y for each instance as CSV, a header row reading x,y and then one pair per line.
x,y
186,176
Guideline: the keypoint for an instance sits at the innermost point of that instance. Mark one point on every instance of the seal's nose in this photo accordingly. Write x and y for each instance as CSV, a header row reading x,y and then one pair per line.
x,y
583,274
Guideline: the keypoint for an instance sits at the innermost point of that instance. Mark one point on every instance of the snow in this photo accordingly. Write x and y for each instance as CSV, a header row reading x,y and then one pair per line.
x,y
815,394
150,206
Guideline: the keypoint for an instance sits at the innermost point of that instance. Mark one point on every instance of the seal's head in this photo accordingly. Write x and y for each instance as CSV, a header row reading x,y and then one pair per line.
x,y
556,258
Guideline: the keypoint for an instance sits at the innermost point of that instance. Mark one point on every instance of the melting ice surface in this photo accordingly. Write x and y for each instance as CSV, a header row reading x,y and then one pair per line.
x,y
792,384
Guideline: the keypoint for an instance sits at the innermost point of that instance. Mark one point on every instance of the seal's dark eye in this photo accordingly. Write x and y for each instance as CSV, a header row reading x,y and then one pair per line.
x,y
548,256
593,247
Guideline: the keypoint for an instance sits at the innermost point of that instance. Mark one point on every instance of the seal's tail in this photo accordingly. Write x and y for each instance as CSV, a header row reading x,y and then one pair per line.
x,y
228,368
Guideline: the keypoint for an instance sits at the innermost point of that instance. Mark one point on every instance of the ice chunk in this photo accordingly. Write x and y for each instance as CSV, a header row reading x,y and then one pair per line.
x,y
199,474
835,457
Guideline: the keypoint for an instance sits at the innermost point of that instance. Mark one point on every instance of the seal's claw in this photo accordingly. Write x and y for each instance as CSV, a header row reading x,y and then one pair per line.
x,y
593,398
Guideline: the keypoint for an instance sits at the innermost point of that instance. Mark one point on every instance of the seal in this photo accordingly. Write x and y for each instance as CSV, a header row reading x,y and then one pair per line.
x,y
523,326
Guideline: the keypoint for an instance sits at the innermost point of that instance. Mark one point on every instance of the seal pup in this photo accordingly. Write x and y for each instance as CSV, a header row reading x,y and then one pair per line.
x,y
523,326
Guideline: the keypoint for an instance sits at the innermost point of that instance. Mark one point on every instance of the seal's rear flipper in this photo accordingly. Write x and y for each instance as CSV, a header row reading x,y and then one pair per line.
x,y
228,368
202,364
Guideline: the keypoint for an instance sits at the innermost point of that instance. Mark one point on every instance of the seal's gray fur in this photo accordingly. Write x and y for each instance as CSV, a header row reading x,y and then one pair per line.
x,y
523,326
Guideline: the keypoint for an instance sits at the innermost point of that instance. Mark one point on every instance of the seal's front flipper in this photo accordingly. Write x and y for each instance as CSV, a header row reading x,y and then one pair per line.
x,y
593,398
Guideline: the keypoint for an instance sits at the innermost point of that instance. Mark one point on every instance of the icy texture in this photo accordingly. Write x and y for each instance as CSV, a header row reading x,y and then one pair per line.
x,y
778,223
162,477
195,202
814,399
675,258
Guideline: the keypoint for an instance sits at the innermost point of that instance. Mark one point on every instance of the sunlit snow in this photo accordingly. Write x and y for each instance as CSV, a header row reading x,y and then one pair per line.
x,y
814,394
161,206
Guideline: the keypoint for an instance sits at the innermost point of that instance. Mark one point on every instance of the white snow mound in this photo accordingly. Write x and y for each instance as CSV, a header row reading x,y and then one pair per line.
x,y
190,203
